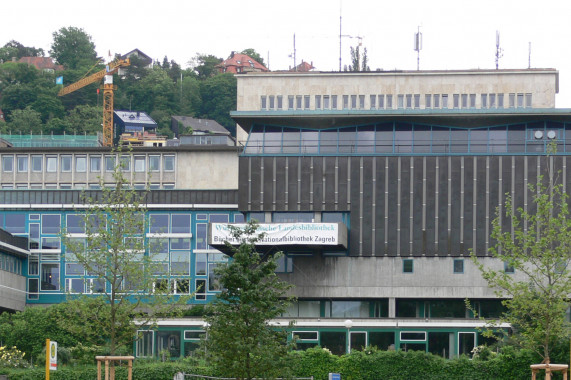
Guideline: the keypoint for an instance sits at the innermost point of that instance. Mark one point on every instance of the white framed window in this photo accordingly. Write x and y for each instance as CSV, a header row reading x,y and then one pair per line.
x,y
22,164
168,163
37,162
145,346
140,164
80,164
154,163
65,163
51,164
125,163
7,164
75,285
109,163
95,164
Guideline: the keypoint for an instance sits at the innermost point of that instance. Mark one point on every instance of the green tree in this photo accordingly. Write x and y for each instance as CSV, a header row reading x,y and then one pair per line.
x,y
25,121
358,62
254,54
218,96
205,65
14,49
191,100
241,343
126,267
538,247
72,47
84,119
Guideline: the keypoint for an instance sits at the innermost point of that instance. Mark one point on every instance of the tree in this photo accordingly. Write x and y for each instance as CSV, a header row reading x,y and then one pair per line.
x,y
254,54
14,49
218,99
205,65
121,263
72,47
25,121
241,343
358,62
539,250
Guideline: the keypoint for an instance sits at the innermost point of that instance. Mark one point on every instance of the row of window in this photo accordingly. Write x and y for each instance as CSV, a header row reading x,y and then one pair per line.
x,y
385,101
10,263
457,266
406,138
83,186
85,163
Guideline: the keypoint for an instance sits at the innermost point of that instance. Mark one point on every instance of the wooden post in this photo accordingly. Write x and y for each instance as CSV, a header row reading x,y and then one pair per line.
x,y
47,359
98,370
110,372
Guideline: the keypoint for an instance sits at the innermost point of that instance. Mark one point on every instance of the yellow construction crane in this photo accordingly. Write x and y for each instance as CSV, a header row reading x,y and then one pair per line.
x,y
108,88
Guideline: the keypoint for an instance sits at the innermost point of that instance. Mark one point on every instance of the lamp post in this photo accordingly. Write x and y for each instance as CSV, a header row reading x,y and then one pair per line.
x,y
348,325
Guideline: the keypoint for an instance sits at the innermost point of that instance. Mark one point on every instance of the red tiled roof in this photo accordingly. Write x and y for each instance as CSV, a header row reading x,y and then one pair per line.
x,y
304,67
242,61
41,63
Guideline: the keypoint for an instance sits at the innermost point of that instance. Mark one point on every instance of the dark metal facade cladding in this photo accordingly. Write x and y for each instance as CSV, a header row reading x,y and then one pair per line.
x,y
401,206
23,197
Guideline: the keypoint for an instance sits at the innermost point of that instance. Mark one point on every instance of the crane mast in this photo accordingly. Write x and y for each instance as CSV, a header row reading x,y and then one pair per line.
x,y
108,88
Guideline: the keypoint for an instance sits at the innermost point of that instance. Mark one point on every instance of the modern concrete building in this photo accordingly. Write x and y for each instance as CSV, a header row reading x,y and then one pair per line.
x,y
376,185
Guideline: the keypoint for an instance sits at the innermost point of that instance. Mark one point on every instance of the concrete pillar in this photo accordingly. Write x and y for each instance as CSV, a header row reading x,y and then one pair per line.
x,y
392,307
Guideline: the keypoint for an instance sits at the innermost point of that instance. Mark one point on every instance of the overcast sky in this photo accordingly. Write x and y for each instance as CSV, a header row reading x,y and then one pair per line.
x,y
456,34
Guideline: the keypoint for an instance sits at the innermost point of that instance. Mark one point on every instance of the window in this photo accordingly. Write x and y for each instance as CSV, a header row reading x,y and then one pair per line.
x,y
472,100
65,163
140,164
353,102
464,100
444,100
200,289
7,164
159,223
33,288
362,102
22,164
290,102
280,102
333,102
508,268
306,102
492,100
500,100
345,102
272,102
528,100
37,163
381,101
180,263
519,100
326,103
51,224
125,163
155,163
168,163
428,101
389,101
317,102
458,266
408,100
15,223
400,101
50,276
511,99
200,264
263,103
416,100
80,164
180,223
298,102
484,101
74,285
456,100
373,102
95,164
407,265
109,163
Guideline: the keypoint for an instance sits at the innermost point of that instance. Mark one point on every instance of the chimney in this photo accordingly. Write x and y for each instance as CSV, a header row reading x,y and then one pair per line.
x,y
232,54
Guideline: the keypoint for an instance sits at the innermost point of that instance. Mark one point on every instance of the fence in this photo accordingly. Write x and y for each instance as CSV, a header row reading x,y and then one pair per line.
x,y
188,376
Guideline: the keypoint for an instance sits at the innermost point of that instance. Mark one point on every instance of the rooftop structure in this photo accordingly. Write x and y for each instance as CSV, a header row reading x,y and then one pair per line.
x,y
240,63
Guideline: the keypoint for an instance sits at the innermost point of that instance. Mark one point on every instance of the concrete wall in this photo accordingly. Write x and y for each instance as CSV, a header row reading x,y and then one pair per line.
x,y
541,83
207,170
12,291
383,277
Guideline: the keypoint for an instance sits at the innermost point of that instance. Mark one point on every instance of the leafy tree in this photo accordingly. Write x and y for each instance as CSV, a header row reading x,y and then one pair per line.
x,y
115,252
12,73
254,54
49,106
358,62
241,343
82,119
14,49
218,99
191,101
205,65
539,250
72,47
25,121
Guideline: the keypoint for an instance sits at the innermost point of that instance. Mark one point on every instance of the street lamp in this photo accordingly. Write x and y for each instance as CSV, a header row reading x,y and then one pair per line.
x,y
348,325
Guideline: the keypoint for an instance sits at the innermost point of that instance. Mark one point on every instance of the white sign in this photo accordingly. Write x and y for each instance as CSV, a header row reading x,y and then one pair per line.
x,y
281,234
53,355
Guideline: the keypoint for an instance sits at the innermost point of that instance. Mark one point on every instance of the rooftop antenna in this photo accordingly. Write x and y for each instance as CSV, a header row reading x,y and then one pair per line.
x,y
499,51
340,35
529,57
293,54
418,47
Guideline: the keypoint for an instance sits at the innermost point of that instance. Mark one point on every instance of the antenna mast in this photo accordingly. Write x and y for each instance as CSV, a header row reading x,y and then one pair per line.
x,y
529,57
418,47
340,20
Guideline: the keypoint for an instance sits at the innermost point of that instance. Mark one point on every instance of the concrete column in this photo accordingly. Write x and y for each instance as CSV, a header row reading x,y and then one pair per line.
x,y
392,307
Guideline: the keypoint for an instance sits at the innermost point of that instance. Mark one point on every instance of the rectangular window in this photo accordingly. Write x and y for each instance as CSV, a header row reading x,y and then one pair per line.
x,y
109,163
353,102
528,100
140,164
326,103
407,265
444,100
362,102
7,164
333,102
33,264
280,102
472,100
75,224
500,100
168,163
15,223
458,266
51,224
290,102
213,280
389,101
428,101
408,100
306,102
180,263
80,164
51,243
200,288
180,223
180,243
400,101
95,164
37,163
155,163
436,98
381,101
373,102
492,100
520,100
464,100
508,268
298,102
263,102
484,101
456,100
33,288
65,164
159,223
317,102
345,102
51,164
511,99
74,285
125,163
416,100
200,266
50,276
22,164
